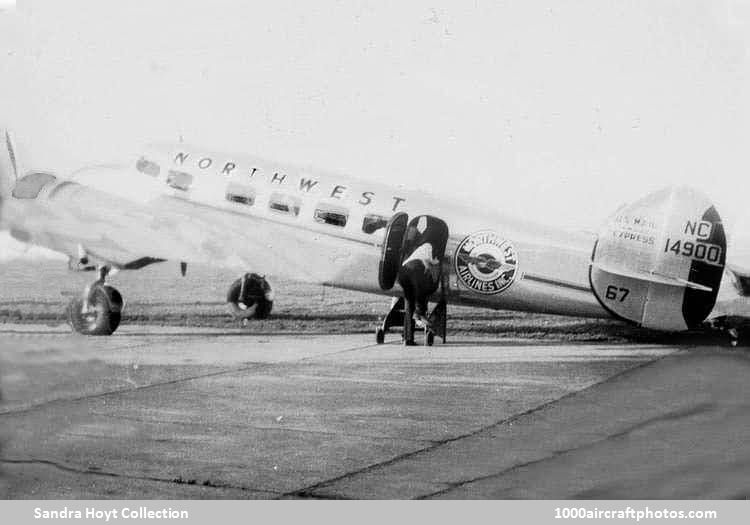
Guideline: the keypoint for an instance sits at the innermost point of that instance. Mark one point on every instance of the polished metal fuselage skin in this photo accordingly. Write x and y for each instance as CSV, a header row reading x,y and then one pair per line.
x,y
118,214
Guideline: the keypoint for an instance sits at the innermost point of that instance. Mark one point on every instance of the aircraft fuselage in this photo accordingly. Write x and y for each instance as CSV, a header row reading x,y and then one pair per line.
x,y
182,203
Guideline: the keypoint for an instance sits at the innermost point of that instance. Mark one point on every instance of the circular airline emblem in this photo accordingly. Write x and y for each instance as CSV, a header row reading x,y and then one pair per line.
x,y
486,263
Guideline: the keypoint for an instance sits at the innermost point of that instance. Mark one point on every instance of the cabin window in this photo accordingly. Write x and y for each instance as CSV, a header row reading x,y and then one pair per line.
x,y
148,167
333,215
179,180
373,223
285,204
30,185
240,194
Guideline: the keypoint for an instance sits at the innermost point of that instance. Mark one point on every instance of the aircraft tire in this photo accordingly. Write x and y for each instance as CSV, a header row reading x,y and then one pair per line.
x,y
104,316
379,335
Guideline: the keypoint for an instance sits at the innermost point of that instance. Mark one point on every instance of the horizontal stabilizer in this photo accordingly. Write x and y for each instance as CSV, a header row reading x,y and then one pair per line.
x,y
652,277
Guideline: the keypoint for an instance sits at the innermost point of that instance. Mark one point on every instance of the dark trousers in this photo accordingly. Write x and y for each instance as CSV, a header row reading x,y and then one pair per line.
x,y
418,285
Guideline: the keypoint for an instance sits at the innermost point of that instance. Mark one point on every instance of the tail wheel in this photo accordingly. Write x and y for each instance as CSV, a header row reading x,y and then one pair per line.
x,y
102,316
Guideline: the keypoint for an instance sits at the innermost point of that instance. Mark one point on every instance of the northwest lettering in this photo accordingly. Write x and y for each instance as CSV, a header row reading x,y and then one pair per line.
x,y
279,178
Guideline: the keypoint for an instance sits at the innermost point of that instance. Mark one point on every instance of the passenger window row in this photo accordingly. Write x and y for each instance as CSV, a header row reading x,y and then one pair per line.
x,y
278,203
288,205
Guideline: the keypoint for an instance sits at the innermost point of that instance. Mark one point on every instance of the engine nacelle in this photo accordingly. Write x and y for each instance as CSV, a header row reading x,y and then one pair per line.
x,y
658,262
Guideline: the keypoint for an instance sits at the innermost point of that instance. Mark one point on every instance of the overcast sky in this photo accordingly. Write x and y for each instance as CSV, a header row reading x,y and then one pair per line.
x,y
554,110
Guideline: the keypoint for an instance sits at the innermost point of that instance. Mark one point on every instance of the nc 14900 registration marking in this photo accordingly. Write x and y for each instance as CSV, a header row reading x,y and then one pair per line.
x,y
696,250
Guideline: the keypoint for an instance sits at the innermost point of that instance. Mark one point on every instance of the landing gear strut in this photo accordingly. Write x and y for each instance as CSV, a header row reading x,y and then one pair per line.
x,y
436,322
98,310
394,317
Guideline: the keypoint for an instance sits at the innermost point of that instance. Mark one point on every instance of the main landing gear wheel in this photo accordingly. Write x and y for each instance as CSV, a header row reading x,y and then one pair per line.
x,y
102,314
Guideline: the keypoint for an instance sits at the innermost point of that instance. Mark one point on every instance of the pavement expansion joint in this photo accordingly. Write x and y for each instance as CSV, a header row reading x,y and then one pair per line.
x,y
94,471
670,416
312,495
306,491
250,366
123,390
338,352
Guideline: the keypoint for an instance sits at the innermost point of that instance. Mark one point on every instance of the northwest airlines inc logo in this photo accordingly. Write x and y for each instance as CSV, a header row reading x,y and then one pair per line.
x,y
486,263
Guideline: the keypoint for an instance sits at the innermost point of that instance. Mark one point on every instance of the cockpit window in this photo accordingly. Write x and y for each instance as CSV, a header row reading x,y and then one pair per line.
x,y
148,167
240,194
373,223
333,215
179,180
29,186
285,204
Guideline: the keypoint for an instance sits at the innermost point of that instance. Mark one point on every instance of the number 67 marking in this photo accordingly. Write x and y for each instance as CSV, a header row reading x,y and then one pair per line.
x,y
613,291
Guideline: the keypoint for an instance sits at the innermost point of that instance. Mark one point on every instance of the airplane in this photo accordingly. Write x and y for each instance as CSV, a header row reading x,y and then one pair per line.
x,y
659,262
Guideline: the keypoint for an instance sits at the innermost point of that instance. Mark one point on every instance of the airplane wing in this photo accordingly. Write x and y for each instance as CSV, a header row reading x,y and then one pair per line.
x,y
142,222
126,218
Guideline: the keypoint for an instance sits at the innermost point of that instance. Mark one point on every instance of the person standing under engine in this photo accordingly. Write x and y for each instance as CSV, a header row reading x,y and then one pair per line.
x,y
420,272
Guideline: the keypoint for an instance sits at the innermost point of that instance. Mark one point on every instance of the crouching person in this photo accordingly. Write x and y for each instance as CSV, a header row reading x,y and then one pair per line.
x,y
250,290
